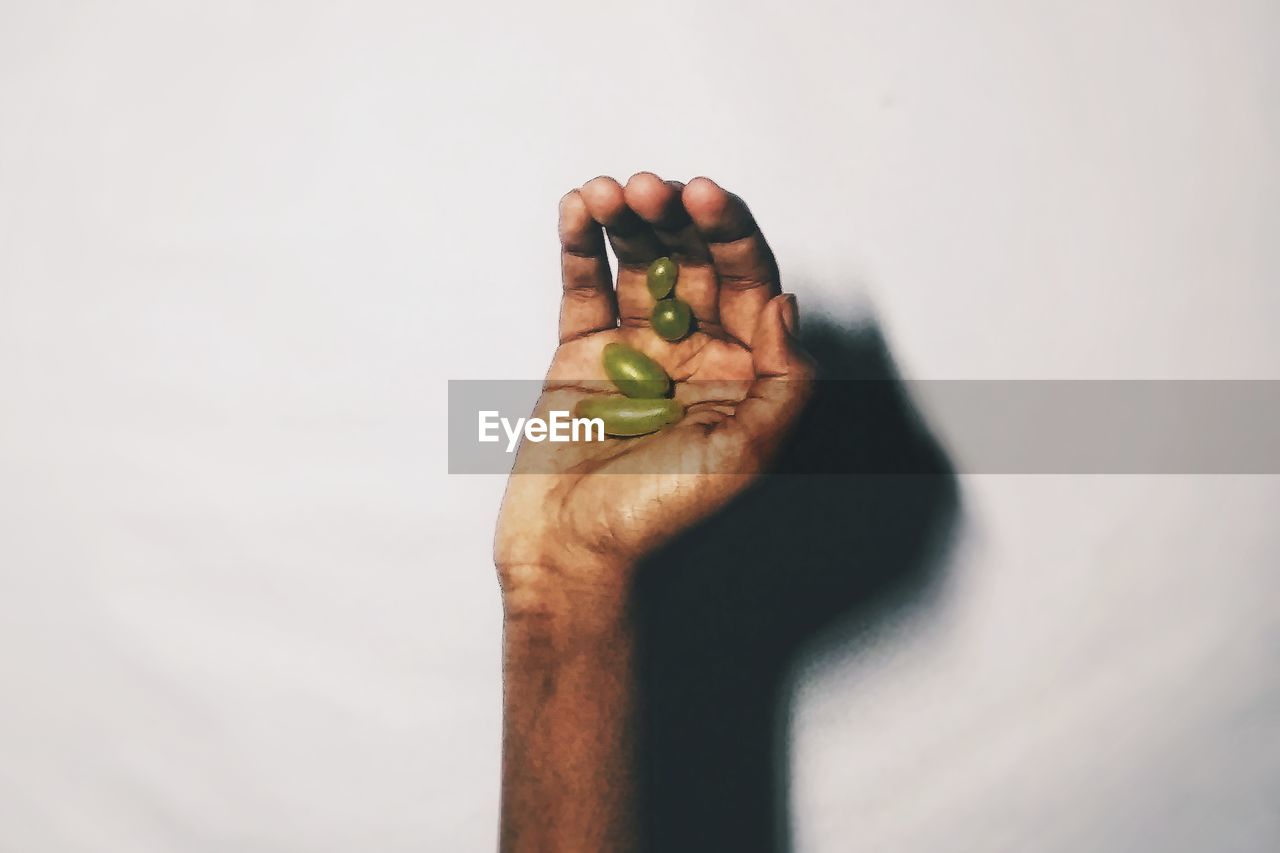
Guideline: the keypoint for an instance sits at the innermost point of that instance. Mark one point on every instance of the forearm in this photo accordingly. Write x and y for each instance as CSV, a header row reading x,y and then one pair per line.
x,y
568,779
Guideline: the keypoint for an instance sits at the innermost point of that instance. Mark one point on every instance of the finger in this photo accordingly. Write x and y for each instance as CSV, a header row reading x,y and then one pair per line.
x,y
633,240
588,303
659,203
744,264
784,376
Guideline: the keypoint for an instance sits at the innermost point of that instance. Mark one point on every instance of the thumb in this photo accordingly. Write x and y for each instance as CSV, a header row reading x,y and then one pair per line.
x,y
784,373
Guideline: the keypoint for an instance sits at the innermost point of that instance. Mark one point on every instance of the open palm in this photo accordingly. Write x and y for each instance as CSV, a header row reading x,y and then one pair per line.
x,y
588,510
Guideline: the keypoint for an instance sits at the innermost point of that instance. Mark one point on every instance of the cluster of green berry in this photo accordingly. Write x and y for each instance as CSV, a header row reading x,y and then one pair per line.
x,y
671,317
646,405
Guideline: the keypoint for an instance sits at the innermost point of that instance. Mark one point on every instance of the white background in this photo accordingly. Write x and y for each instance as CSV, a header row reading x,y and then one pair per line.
x,y
244,245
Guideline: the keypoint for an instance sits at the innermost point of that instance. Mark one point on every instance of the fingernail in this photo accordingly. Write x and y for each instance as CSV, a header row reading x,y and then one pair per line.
x,y
790,314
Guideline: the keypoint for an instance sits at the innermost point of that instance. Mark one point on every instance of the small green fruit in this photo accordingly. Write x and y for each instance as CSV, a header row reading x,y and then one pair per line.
x,y
661,277
635,374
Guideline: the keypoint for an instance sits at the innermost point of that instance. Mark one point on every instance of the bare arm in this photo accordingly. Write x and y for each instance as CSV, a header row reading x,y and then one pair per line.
x,y
568,734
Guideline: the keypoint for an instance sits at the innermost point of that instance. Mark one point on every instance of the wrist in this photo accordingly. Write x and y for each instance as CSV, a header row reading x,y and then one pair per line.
x,y
554,608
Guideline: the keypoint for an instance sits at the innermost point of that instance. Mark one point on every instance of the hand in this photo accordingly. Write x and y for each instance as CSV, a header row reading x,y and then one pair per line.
x,y
576,517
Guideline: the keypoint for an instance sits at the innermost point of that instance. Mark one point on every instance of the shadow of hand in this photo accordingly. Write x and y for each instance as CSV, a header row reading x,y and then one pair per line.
x,y
852,520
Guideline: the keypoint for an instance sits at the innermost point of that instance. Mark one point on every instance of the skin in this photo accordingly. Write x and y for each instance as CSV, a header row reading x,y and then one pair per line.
x,y
577,518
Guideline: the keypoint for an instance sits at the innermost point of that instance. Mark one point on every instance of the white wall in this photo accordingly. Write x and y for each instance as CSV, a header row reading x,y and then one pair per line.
x,y
242,606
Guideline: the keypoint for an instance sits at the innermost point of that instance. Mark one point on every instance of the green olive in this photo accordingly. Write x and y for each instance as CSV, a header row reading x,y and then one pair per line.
x,y
624,416
635,374
662,277
670,319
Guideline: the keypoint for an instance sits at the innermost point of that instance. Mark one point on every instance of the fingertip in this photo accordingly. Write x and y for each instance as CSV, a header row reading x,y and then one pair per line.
x,y
603,197
602,188
702,183
704,198
768,340
574,218
579,233
642,177
774,346
801,368
789,312
572,207
652,198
